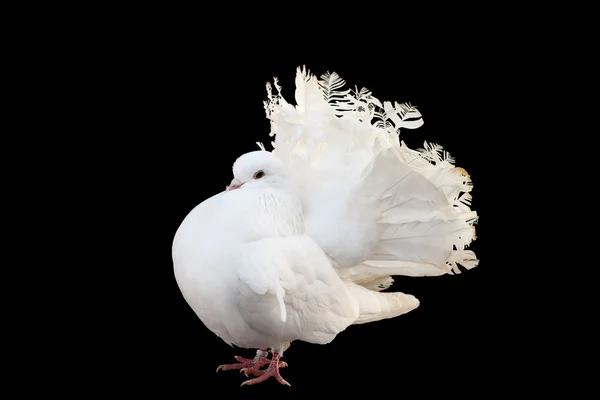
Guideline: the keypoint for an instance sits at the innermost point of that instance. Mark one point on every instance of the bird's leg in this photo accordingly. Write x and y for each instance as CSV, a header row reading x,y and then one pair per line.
x,y
271,371
246,365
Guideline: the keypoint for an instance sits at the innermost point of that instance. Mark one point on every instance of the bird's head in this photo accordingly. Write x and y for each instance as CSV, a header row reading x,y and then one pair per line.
x,y
257,169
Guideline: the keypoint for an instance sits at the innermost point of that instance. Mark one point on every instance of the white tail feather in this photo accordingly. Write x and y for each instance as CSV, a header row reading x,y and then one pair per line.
x,y
374,306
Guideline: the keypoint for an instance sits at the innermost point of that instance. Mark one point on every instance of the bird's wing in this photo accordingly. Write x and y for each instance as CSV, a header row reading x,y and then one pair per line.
x,y
376,207
289,290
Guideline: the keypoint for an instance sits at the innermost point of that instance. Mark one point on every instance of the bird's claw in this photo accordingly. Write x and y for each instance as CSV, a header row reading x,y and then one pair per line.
x,y
244,364
271,371
251,371
282,381
252,367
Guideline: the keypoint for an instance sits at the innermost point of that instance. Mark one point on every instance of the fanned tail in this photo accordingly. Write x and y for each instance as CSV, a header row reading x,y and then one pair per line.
x,y
422,222
391,210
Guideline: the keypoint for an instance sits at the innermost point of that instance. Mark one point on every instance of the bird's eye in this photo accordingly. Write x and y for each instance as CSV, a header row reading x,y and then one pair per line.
x,y
259,174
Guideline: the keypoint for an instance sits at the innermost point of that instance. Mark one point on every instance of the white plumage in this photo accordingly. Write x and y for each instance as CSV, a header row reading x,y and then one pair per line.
x,y
314,230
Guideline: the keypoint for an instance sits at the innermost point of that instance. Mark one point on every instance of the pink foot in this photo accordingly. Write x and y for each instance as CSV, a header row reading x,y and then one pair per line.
x,y
258,372
246,365
271,371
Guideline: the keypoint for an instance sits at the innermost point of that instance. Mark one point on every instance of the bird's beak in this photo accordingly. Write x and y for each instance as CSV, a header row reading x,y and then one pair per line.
x,y
235,184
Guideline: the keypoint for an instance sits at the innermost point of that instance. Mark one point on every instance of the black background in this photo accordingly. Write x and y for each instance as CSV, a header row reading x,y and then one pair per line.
x,y
182,110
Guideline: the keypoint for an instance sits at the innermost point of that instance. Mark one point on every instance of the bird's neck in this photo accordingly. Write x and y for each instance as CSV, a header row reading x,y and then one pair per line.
x,y
278,212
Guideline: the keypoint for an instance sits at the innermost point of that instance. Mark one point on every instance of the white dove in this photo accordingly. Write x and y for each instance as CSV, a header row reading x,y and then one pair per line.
x,y
305,237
